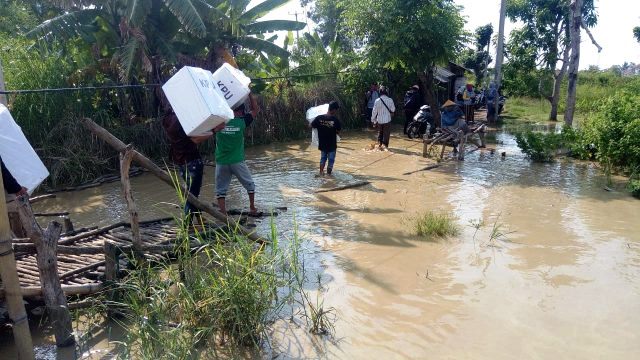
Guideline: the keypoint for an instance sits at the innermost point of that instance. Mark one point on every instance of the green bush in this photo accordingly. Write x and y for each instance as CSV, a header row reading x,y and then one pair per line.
x,y
614,130
634,187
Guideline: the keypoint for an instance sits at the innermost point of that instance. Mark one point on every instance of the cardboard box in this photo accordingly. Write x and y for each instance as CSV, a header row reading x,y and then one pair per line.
x,y
196,101
232,84
18,155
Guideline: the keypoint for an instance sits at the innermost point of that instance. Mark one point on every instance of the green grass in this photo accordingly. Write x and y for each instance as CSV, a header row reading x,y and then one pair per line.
x,y
523,109
436,224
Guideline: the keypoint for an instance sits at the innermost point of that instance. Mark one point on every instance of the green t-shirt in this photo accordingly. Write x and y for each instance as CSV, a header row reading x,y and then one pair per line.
x,y
230,142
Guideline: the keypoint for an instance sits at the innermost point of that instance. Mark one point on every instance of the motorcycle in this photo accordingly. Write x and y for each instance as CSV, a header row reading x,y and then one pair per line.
x,y
421,123
501,101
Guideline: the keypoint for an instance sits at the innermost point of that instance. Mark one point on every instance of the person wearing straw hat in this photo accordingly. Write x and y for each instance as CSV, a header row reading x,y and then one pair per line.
x,y
453,119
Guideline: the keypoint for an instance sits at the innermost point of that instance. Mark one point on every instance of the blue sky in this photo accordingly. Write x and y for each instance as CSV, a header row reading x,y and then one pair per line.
x,y
616,20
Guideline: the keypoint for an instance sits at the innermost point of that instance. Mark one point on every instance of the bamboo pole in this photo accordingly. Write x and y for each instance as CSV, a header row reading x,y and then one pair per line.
x,y
143,161
84,289
11,283
46,246
126,156
3,97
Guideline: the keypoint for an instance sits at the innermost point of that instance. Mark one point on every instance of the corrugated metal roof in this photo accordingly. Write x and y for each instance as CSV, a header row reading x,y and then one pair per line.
x,y
442,74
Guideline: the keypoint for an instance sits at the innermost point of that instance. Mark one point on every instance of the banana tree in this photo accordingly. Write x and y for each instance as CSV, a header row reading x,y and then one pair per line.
x,y
238,27
135,35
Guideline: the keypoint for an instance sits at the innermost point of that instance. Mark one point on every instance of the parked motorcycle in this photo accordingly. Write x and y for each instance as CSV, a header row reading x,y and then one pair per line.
x,y
422,122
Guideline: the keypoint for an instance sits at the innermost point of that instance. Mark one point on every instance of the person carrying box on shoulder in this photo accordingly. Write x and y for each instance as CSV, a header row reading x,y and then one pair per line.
x,y
11,186
328,127
183,151
230,154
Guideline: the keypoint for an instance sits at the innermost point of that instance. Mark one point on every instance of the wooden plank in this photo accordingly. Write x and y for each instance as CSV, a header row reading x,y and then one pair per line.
x,y
80,270
99,231
345,187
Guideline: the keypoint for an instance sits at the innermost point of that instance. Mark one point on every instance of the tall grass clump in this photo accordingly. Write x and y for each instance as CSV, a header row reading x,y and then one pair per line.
x,y
436,224
221,292
225,293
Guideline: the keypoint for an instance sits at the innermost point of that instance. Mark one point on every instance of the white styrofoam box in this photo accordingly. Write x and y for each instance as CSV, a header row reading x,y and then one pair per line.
x,y
18,155
232,84
198,105
315,111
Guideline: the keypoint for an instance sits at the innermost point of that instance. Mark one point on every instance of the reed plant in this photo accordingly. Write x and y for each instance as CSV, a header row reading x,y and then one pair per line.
x,y
222,291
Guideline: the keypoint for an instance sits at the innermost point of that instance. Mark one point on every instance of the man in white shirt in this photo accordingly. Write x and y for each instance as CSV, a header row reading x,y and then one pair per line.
x,y
381,116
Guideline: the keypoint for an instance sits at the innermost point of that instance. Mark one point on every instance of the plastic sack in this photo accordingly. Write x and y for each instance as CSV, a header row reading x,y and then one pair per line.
x,y
315,111
18,155
197,103
232,84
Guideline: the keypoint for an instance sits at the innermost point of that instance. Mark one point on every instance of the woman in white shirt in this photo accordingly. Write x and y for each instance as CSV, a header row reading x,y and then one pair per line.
x,y
381,116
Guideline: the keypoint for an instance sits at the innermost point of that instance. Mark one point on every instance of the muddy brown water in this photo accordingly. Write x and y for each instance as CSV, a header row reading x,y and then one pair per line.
x,y
562,283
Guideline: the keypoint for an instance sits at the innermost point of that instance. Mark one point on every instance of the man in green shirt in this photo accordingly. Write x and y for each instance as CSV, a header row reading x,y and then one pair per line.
x,y
230,155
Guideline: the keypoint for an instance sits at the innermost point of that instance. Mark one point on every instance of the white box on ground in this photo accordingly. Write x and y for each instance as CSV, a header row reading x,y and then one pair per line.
x,y
18,155
196,101
313,113
232,84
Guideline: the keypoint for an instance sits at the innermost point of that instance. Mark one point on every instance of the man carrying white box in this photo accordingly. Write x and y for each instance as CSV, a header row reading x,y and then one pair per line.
x,y
11,186
230,154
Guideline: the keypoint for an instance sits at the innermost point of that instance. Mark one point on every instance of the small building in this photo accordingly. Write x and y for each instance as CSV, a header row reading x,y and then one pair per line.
x,y
448,80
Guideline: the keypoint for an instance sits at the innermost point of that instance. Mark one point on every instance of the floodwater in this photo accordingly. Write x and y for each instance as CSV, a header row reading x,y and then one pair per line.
x,y
563,281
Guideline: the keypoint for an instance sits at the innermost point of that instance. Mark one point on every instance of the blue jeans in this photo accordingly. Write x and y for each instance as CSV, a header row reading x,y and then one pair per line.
x,y
223,178
191,173
326,155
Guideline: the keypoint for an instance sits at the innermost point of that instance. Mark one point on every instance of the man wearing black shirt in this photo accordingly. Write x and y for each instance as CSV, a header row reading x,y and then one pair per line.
x,y
11,186
328,128
183,151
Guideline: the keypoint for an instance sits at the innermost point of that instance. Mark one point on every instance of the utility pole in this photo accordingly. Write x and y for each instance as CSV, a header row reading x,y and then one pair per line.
x,y
500,53
3,97
296,13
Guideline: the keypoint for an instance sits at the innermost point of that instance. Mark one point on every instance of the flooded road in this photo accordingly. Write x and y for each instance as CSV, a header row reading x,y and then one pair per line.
x,y
563,281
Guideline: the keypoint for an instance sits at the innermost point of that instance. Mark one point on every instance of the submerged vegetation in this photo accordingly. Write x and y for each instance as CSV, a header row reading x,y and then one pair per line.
x,y
435,224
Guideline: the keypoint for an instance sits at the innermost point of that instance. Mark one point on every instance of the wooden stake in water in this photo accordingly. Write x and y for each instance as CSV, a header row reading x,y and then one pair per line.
x,y
47,256
11,283
126,156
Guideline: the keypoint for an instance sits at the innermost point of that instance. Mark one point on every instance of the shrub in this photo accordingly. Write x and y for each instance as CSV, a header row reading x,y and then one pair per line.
x,y
432,224
634,187
614,130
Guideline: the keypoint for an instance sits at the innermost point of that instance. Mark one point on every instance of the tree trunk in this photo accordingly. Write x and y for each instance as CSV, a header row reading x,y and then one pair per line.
x,y
576,23
426,82
47,257
557,84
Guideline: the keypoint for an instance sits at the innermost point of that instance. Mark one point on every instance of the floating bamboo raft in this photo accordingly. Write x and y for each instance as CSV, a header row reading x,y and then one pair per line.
x,y
81,255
